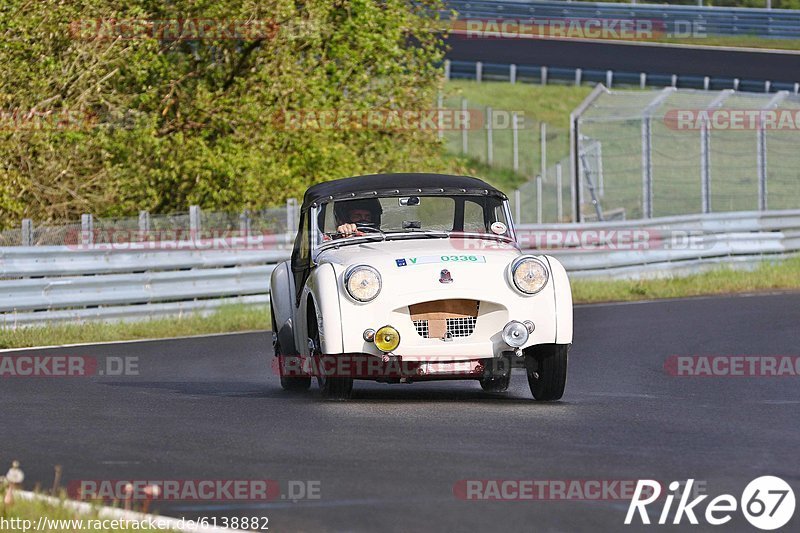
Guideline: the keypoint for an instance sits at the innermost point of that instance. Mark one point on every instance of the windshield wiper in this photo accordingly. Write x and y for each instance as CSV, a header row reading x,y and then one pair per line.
x,y
413,233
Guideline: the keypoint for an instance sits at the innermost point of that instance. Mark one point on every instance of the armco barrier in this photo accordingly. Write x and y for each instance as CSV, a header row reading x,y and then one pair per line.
x,y
775,23
59,283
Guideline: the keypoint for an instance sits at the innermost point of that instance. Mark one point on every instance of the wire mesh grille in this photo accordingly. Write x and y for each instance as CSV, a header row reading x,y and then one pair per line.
x,y
456,327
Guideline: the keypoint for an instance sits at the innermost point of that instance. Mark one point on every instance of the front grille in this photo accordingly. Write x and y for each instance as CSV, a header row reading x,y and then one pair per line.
x,y
456,327
461,327
433,316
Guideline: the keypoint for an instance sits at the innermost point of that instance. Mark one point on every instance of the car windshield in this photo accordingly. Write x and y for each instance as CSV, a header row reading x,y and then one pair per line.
x,y
413,216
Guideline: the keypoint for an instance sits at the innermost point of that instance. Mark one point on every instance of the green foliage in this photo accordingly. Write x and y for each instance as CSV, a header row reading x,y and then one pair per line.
x,y
178,122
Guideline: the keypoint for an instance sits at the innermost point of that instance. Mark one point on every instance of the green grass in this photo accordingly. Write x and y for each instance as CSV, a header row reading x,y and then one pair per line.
x,y
227,319
535,104
546,103
33,510
769,275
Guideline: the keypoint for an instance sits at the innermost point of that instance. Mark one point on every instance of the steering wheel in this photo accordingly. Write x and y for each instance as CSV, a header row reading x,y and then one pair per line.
x,y
369,227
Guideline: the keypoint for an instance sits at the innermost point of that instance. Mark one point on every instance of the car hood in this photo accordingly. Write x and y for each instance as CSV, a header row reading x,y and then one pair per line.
x,y
410,252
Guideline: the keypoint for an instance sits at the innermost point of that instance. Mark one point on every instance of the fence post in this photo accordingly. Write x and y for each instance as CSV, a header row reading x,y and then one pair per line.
x,y
289,215
735,84
578,76
538,199
194,221
609,78
515,140
244,223
27,232
479,71
489,139
642,80
705,168
512,73
144,222
439,117
543,147
761,156
559,195
706,83
447,69
518,206
647,169
674,80
87,230
544,75
465,129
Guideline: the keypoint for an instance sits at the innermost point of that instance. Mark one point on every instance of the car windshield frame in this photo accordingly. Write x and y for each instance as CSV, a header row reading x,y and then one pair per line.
x,y
318,245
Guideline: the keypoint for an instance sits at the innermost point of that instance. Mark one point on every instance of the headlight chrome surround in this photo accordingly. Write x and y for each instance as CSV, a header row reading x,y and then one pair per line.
x,y
529,286
360,286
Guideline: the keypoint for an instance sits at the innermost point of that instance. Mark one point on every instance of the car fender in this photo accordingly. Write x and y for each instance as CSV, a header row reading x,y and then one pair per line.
x,y
562,293
323,288
281,292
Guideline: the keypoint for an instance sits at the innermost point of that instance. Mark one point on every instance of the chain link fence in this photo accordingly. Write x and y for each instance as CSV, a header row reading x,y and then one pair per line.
x,y
192,225
675,152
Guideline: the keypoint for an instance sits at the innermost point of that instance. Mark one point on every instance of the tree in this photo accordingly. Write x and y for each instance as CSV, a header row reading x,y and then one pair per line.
x,y
114,108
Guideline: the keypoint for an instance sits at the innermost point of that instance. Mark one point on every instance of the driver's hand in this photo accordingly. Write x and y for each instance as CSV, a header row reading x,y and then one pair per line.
x,y
348,229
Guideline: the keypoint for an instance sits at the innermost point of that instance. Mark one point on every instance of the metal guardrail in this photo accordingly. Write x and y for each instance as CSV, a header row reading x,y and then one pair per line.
x,y
678,245
544,74
58,283
62,283
771,23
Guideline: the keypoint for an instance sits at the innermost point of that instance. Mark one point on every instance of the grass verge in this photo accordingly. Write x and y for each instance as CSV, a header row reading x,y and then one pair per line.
x,y
769,275
227,319
737,41
24,515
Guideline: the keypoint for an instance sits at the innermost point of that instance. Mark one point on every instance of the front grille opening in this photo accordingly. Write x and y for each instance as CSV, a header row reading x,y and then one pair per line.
x,y
445,319
461,327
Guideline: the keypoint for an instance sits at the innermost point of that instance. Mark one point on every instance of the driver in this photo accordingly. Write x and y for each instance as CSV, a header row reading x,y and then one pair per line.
x,y
350,213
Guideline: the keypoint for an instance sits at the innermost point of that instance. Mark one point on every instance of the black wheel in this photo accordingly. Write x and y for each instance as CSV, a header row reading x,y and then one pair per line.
x,y
288,383
332,388
546,366
498,384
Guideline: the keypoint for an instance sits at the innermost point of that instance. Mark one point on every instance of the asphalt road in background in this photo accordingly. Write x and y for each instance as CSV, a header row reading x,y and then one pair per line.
x,y
210,408
629,57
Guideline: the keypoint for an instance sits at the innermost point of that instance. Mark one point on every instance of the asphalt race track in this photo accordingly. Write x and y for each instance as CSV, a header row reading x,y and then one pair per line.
x,y
629,57
210,408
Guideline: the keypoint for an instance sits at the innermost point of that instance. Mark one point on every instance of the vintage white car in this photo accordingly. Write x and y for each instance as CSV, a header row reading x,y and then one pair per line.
x,y
401,278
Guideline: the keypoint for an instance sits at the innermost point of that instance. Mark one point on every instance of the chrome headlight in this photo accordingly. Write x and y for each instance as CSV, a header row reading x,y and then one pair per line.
x,y
529,274
363,283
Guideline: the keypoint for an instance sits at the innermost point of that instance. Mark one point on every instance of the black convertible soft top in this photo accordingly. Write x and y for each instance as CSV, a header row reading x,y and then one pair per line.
x,y
396,185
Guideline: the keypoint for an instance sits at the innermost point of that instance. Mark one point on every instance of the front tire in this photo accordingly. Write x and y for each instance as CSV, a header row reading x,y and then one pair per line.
x,y
546,366
331,388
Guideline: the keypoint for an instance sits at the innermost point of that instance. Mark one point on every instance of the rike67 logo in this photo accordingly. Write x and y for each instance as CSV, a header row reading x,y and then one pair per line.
x,y
767,503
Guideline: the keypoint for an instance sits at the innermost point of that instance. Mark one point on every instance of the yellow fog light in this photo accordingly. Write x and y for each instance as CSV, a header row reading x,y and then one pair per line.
x,y
387,339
